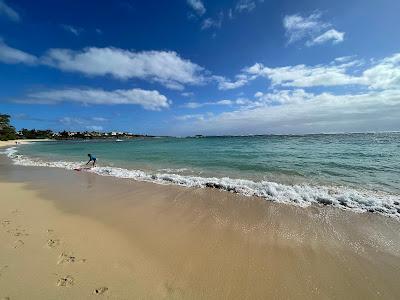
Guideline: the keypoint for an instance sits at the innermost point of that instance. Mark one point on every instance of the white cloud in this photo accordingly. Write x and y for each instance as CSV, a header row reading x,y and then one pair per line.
x,y
333,74
213,23
298,27
245,5
224,102
187,94
297,96
82,123
99,119
306,76
330,35
344,59
311,29
68,121
190,117
71,29
343,71
151,100
10,55
383,74
302,112
226,84
197,6
193,105
9,12
165,67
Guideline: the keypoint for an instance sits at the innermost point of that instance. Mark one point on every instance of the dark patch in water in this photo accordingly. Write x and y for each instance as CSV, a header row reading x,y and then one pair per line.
x,y
214,185
324,201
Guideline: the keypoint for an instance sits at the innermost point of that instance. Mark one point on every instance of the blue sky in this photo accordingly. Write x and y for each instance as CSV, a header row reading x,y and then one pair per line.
x,y
201,67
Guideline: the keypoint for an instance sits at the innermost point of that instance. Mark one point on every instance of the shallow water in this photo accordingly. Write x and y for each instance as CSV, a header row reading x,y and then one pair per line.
x,y
352,171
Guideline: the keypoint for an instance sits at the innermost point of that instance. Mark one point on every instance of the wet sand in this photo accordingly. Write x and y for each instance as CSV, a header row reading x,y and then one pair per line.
x,y
142,240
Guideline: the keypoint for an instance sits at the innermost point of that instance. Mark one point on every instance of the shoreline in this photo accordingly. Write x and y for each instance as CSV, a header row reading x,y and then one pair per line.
x,y
11,143
302,195
187,243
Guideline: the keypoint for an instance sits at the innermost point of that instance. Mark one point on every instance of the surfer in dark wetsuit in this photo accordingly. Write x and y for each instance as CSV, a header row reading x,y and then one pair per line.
x,y
91,158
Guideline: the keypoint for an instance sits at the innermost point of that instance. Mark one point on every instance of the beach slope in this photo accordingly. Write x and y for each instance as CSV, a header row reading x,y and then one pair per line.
x,y
74,235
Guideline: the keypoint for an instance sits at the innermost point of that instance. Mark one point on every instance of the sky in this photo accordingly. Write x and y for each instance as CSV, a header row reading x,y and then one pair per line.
x,y
186,67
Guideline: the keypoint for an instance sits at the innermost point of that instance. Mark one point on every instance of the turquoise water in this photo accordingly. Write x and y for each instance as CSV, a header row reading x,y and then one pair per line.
x,y
369,160
368,164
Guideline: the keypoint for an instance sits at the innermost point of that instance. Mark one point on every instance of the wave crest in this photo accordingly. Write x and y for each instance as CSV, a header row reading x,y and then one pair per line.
x,y
301,194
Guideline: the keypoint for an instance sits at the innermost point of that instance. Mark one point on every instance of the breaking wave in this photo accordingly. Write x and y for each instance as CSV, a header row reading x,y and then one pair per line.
x,y
301,194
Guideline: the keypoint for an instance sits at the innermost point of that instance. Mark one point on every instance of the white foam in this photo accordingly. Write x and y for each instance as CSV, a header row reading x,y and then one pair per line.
x,y
301,194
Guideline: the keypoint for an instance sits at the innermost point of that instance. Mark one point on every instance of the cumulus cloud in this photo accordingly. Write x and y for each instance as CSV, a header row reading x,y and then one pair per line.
x,y
11,55
382,74
306,76
226,84
165,67
281,97
151,100
295,76
8,12
302,112
311,29
197,6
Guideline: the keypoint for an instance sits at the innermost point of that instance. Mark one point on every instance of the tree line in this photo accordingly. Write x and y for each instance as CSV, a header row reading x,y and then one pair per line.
x,y
8,132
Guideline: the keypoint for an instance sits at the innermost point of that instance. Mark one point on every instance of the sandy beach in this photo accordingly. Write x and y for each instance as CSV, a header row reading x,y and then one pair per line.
x,y
21,142
76,235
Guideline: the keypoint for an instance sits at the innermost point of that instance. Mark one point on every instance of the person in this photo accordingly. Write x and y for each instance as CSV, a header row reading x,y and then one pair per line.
x,y
91,158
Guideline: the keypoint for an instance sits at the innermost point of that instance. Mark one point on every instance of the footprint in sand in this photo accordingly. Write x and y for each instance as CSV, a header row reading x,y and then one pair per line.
x,y
5,223
18,244
53,243
17,232
65,281
100,290
6,298
65,258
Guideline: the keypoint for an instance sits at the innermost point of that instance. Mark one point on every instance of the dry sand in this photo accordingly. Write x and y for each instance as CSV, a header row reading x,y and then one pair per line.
x,y
64,234
21,142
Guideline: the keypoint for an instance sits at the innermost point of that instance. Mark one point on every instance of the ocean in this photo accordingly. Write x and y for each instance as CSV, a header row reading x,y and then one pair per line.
x,y
359,172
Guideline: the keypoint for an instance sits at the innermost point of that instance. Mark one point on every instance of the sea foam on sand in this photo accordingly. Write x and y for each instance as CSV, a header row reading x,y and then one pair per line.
x,y
301,194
